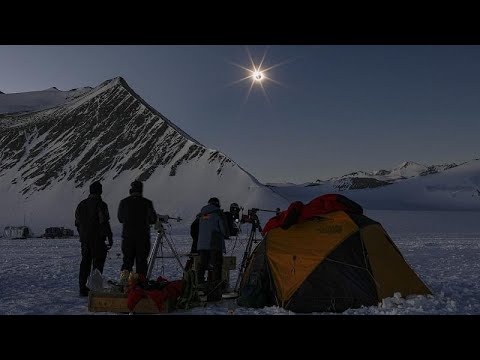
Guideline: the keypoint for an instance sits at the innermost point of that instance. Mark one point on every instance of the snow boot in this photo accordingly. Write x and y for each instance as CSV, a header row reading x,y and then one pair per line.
x,y
124,277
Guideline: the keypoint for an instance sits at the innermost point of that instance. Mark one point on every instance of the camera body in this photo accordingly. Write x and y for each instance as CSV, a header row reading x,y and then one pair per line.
x,y
251,217
162,218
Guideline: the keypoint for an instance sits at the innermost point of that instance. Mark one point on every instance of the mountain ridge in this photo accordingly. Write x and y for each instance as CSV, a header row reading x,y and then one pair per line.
x,y
109,133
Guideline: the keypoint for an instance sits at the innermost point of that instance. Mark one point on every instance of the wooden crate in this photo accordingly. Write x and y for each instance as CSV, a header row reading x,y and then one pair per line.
x,y
117,303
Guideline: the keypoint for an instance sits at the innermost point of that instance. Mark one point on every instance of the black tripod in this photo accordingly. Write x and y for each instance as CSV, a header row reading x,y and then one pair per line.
x,y
158,245
248,248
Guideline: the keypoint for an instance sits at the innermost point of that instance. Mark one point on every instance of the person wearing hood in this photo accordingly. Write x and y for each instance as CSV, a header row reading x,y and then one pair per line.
x,y
211,240
136,213
93,224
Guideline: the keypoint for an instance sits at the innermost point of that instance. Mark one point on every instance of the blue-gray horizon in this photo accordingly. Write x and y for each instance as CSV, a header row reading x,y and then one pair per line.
x,y
345,109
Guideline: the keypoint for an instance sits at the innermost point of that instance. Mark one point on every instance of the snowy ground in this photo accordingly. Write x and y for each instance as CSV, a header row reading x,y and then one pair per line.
x,y
40,276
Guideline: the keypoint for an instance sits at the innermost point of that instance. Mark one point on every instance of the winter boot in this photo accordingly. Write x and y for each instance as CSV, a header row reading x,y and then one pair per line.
x,y
133,279
124,277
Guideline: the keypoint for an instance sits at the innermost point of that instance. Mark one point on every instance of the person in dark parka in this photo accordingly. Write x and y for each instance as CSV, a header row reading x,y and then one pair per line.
x,y
92,220
211,241
136,213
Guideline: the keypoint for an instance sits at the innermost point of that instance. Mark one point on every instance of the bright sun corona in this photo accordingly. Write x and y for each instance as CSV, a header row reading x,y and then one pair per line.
x,y
257,75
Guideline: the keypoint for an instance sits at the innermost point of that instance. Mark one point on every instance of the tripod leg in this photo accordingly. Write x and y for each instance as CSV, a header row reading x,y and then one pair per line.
x,y
153,255
246,255
174,252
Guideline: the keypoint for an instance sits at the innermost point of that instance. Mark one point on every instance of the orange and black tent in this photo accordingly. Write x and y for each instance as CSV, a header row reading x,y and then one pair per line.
x,y
325,256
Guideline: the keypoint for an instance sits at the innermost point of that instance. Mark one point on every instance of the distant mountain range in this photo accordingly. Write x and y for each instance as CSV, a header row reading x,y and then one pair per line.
x,y
409,186
377,178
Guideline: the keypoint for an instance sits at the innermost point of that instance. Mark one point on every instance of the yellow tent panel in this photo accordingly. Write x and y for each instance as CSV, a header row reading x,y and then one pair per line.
x,y
391,272
294,253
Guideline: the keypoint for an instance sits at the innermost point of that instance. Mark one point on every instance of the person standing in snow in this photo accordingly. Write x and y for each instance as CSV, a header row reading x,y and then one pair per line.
x,y
211,242
136,213
92,220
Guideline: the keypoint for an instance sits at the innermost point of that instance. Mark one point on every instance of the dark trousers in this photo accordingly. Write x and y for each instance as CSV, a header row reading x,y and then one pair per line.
x,y
210,259
135,251
90,254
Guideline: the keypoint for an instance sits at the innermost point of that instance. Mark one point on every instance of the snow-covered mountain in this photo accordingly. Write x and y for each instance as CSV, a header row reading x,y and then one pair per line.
x,y
53,144
447,187
373,179
37,100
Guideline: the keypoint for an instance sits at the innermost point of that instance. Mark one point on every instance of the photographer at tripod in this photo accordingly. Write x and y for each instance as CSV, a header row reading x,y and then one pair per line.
x,y
211,244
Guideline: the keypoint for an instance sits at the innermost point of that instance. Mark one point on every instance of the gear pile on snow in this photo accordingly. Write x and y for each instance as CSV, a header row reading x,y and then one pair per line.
x,y
159,291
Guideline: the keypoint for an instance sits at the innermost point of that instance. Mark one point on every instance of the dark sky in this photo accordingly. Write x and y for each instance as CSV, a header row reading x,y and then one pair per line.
x,y
341,109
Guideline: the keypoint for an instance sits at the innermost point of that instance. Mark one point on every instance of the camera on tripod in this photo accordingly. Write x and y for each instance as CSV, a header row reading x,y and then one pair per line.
x,y
251,216
163,219
161,237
